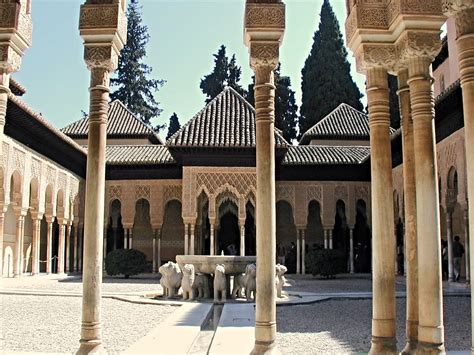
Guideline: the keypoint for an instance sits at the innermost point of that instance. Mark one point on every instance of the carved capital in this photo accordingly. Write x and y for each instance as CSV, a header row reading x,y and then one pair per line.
x,y
264,54
102,56
10,60
419,44
464,20
451,7
265,16
377,56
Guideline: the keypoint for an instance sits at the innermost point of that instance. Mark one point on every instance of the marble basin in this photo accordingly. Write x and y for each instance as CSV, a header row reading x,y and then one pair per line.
x,y
206,264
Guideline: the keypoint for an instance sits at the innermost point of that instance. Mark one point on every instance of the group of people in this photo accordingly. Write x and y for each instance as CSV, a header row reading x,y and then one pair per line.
x,y
458,252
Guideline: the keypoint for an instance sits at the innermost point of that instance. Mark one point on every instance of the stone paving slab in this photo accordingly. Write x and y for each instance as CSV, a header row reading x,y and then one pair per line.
x,y
176,334
235,333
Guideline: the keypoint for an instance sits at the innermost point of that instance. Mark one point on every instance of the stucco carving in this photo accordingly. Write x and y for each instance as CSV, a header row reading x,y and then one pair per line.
x,y
115,192
419,44
341,193
18,160
362,193
265,16
172,192
313,193
142,191
286,193
100,56
35,168
264,54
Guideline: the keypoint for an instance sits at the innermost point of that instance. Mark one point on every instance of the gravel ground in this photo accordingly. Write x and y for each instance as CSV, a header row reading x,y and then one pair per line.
x,y
74,283
52,324
343,326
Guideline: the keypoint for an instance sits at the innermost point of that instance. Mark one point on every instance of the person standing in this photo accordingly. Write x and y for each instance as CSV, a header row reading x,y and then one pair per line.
x,y
458,251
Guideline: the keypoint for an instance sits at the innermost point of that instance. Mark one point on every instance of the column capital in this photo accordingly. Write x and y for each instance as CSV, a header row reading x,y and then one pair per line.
x,y
418,44
377,55
463,12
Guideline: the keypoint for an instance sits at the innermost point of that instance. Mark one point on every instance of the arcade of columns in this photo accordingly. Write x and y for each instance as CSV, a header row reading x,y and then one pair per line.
x,y
397,36
403,37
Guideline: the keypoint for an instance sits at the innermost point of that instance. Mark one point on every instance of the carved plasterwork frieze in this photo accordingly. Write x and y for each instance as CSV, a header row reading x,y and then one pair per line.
x,y
115,192
286,193
18,160
377,55
265,16
10,61
172,192
243,182
142,191
99,16
451,7
341,193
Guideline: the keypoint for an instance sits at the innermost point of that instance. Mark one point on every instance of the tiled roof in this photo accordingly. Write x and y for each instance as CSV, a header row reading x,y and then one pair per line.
x,y
16,87
326,155
41,120
138,155
121,123
227,121
343,122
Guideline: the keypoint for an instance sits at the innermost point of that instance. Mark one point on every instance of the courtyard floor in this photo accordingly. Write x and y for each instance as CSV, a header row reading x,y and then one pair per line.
x,y
42,314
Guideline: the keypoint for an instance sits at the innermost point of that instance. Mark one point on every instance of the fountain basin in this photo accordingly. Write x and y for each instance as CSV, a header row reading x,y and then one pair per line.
x,y
206,264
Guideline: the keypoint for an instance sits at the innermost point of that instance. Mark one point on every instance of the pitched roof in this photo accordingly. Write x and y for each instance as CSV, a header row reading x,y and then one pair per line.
x,y
138,155
121,123
343,122
227,121
326,155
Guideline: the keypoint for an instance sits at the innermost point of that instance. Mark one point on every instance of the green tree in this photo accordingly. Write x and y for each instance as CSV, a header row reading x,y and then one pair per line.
x,y
286,117
134,87
326,78
174,125
225,73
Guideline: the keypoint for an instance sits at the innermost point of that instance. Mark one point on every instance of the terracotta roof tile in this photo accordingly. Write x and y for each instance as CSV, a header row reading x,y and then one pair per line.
x,y
121,123
138,155
227,121
326,155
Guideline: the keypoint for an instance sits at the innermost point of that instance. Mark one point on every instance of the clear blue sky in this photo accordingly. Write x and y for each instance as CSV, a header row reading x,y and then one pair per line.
x,y
184,35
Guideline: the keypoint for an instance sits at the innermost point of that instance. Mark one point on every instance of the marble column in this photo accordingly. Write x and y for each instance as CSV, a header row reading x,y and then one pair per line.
x,y
130,238
68,247
449,237
158,248
330,238
49,243
298,252
35,247
383,243
153,269
76,247
80,258
103,41
125,238
463,12
326,238
411,251
2,226
186,239
351,250
303,252
242,238
18,255
467,254
62,237
430,326
211,238
191,238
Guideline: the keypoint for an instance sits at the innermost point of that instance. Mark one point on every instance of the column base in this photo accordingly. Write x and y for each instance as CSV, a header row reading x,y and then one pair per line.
x,y
429,348
264,348
410,347
382,345
91,347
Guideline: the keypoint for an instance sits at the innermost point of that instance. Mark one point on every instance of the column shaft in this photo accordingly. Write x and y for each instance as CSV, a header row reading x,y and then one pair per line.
x,y
383,243
49,244
351,250
430,327
449,237
75,266
265,315
411,251
36,230
191,239
186,239
158,246
467,255
154,251
242,239
298,252
18,257
326,238
2,226
68,248
465,43
211,240
330,238
62,236
303,252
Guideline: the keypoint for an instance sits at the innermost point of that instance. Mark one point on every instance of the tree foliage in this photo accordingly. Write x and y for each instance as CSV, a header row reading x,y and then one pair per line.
x,y
225,73
174,125
286,109
326,78
134,87
127,262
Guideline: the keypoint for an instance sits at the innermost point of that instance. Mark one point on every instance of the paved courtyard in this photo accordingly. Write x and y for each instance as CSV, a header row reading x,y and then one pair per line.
x,y
35,322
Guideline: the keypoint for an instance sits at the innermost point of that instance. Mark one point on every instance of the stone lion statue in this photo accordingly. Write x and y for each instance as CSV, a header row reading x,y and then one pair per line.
x,y
250,281
220,284
280,270
171,276
188,282
239,285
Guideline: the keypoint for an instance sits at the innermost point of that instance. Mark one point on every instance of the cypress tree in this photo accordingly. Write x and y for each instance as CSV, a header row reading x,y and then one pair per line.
x,y
224,74
326,78
174,125
286,117
135,89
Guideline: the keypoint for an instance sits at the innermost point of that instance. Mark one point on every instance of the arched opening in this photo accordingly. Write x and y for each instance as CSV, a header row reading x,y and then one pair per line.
x,y
286,233
250,241
172,232
15,189
228,236
115,231
9,240
340,236
27,242
314,228
362,239
142,230
202,231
